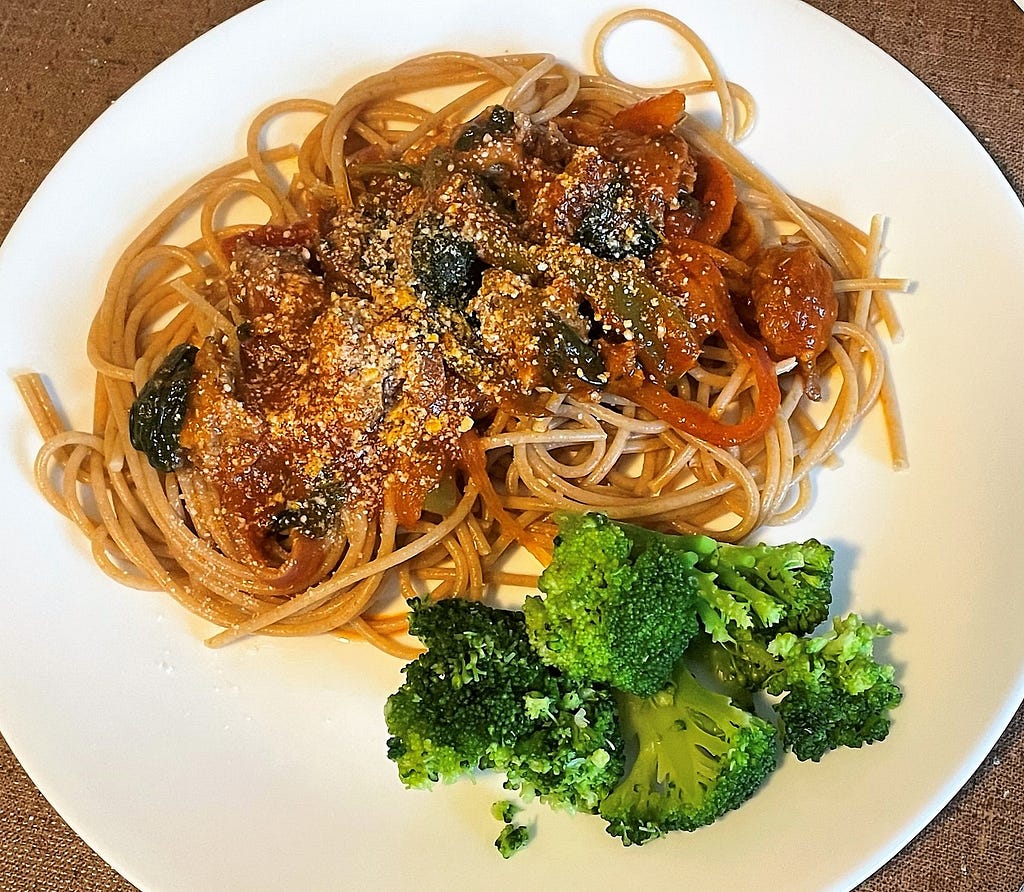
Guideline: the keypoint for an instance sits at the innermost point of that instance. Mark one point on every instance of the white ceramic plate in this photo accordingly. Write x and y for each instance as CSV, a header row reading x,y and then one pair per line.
x,y
263,766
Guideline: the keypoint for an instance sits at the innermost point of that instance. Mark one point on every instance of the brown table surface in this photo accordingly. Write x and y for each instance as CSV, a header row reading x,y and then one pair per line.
x,y
63,61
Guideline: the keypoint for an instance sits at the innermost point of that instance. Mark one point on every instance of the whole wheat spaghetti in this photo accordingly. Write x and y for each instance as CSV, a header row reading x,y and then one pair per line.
x,y
549,290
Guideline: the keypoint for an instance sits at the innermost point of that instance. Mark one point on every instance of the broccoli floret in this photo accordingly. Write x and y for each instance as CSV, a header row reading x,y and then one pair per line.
x,y
697,756
574,756
623,602
789,586
504,810
785,588
459,700
836,694
742,663
616,610
513,836
511,839
480,697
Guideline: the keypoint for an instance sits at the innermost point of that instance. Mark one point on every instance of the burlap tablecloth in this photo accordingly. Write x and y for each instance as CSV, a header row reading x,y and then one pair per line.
x,y
63,61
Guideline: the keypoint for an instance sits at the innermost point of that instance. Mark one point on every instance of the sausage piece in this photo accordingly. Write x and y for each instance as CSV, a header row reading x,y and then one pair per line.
x,y
792,292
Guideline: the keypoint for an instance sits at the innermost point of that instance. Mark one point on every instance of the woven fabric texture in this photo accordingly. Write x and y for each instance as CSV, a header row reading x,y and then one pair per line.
x,y
64,61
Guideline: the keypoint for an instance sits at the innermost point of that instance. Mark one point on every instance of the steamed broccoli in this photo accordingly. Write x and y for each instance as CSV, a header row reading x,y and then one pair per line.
x,y
511,839
742,663
504,810
780,587
788,587
459,702
480,697
835,693
614,611
623,603
698,756
513,836
556,697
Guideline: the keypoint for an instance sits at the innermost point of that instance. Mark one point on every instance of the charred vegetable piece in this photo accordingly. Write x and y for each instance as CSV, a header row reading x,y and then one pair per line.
x,y
313,515
445,264
493,184
639,307
570,357
616,290
689,204
369,169
436,169
443,498
612,230
158,413
492,122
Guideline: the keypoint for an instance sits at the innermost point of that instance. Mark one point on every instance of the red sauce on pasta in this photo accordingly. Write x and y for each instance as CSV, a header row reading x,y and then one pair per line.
x,y
509,261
